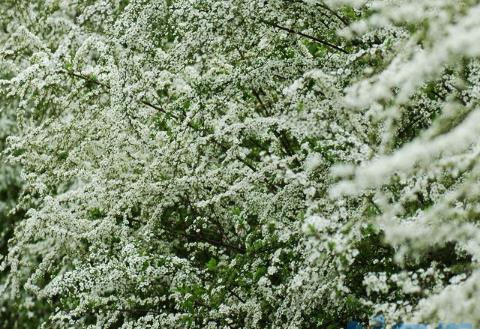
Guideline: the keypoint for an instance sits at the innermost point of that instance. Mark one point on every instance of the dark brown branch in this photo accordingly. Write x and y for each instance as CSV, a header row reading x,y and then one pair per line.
x,y
334,13
156,107
281,136
138,310
205,237
85,78
324,6
232,292
284,142
95,81
160,109
370,200
318,40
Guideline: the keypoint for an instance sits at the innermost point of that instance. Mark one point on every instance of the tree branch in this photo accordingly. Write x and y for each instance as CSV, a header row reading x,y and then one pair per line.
x,y
289,30
91,80
334,13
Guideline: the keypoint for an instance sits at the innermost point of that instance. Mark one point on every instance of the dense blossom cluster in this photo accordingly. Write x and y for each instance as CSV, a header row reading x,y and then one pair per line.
x,y
238,164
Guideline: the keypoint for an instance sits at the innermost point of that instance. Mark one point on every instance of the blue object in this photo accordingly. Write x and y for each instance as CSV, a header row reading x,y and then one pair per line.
x,y
378,322
455,326
354,325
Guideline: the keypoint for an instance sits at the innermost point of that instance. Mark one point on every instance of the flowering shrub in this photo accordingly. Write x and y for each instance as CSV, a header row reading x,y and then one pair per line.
x,y
238,164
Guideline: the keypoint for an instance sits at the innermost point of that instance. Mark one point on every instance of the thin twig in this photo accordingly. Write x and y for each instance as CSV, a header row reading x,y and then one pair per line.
x,y
156,107
321,41
342,19
95,81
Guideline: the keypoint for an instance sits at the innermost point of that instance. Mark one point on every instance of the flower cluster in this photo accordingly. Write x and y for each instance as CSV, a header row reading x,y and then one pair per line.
x,y
238,164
